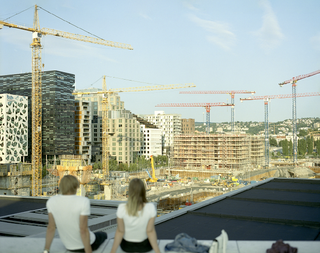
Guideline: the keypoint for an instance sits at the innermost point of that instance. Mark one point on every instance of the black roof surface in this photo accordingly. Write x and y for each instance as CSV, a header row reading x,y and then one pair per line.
x,y
12,205
287,209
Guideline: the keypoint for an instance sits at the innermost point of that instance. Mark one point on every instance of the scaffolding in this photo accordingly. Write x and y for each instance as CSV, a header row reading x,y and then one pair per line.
x,y
15,179
218,151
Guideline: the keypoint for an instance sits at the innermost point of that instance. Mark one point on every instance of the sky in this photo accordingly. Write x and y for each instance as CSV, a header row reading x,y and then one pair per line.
x,y
215,44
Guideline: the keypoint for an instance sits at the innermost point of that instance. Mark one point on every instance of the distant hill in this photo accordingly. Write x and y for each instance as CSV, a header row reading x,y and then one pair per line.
x,y
255,127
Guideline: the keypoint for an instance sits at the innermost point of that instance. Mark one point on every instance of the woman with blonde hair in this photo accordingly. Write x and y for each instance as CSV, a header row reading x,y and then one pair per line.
x,y
69,213
136,231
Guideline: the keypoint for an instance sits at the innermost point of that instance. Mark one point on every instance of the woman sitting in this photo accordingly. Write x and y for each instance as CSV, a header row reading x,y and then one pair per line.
x,y
135,231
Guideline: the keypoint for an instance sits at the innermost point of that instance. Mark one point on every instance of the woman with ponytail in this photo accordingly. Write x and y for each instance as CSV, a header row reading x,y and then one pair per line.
x,y
135,219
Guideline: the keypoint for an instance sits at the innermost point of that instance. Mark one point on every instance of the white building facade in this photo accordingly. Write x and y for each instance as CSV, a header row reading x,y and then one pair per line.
x,y
170,125
13,128
152,142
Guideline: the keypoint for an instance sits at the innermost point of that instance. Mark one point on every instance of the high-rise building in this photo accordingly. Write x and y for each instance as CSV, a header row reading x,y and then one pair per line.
x,y
126,138
170,125
123,128
58,108
187,126
83,130
13,128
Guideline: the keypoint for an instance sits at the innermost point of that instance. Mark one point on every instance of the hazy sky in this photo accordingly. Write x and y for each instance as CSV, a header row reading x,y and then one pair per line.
x,y
215,44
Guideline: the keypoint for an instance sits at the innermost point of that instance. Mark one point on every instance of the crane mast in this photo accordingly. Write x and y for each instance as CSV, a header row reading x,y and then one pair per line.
x,y
266,100
105,137
294,109
36,108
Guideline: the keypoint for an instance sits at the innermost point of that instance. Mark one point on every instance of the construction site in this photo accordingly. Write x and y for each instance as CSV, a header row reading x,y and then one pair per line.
x,y
76,127
219,151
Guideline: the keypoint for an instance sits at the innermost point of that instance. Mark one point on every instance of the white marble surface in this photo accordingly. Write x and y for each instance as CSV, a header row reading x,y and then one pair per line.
x,y
35,245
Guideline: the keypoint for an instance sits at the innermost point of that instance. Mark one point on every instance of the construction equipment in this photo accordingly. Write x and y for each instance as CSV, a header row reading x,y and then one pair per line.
x,y
152,179
266,115
205,105
36,46
293,81
105,109
230,92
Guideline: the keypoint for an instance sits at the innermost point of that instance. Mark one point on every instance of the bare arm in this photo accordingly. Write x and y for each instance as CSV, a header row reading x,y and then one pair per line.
x,y
118,236
152,235
84,232
51,229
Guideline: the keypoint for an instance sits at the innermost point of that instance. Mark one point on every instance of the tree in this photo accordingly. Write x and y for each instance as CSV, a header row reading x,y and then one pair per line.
x,y
302,147
284,145
44,171
97,166
310,145
113,164
302,133
123,167
317,144
273,142
290,148
133,167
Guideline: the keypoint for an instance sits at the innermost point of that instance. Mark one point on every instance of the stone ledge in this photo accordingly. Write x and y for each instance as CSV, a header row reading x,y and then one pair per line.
x,y
32,245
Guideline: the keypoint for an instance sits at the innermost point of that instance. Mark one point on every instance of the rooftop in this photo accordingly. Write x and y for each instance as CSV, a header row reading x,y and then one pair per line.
x,y
254,217
272,209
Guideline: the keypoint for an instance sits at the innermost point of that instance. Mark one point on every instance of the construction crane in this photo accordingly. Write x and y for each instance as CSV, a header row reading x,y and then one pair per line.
x,y
293,81
205,105
230,92
36,46
152,179
266,115
105,108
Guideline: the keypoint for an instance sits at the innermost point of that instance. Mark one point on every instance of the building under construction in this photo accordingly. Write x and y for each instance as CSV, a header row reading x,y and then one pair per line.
x,y
229,151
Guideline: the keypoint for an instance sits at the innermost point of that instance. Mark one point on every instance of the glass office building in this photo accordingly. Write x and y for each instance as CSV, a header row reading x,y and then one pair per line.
x,y
58,109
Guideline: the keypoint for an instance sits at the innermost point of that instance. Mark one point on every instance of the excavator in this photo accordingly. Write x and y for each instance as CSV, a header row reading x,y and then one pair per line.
x,y
152,179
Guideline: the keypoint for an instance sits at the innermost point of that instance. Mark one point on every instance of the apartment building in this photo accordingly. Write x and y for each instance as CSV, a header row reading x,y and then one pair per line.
x,y
152,139
170,125
57,109
13,128
187,126
83,130
125,140
218,151
124,129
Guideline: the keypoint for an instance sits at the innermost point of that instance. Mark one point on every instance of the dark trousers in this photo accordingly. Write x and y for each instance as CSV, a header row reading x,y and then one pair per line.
x,y
100,238
143,246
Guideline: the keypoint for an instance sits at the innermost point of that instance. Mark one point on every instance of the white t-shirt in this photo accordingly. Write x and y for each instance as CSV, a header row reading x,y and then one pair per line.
x,y
135,227
66,210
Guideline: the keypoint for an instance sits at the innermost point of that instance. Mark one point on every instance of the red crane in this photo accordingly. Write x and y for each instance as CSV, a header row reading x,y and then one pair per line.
x,y
205,105
294,108
230,92
266,114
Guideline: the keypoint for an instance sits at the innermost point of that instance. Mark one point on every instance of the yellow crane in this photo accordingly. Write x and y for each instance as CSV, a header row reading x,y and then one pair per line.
x,y
36,46
105,108
153,179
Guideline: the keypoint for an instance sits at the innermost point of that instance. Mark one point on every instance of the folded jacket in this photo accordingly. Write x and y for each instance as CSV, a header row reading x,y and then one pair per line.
x,y
186,243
